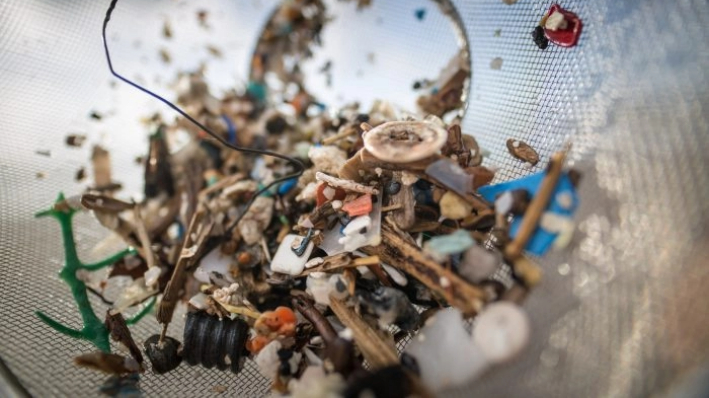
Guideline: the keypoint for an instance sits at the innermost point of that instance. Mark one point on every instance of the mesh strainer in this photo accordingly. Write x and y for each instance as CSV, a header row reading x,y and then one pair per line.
x,y
622,313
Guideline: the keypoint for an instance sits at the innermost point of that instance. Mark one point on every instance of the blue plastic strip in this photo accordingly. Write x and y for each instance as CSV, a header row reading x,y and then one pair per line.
x,y
541,240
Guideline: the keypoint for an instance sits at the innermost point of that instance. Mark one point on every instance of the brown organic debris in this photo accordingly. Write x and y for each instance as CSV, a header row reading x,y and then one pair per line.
x,y
522,151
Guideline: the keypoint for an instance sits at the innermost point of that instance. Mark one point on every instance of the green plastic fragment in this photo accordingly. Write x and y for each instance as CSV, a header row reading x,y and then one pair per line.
x,y
143,312
445,245
94,329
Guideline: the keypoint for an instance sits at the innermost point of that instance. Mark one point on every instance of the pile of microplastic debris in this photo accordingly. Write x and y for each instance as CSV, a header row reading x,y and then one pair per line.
x,y
392,232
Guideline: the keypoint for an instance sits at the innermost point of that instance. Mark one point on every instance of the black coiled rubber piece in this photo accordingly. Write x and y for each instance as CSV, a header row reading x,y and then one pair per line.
x,y
213,342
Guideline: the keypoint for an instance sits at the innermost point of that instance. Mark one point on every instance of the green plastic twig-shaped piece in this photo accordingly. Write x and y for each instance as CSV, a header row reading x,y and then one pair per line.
x,y
94,329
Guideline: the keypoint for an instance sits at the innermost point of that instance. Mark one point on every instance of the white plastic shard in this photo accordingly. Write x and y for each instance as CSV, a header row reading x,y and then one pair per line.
x,y
447,356
478,264
152,275
286,261
502,331
267,359
214,261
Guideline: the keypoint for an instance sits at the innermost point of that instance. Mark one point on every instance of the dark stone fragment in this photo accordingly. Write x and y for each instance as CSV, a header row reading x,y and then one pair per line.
x,y
165,357
539,39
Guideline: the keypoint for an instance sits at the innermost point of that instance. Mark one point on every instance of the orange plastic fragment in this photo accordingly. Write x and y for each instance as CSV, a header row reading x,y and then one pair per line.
x,y
257,343
359,206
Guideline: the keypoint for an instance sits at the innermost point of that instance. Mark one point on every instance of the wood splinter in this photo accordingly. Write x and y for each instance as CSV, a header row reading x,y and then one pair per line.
x,y
195,239
524,268
376,350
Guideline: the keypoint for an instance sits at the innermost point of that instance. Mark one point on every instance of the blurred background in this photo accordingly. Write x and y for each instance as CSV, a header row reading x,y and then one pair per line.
x,y
622,312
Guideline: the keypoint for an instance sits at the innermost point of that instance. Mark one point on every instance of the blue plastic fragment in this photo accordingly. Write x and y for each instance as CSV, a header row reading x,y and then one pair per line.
x,y
420,14
541,240
286,186
230,128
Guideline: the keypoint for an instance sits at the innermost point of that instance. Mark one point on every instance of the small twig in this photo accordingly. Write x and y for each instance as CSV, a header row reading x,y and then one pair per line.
x,y
144,238
376,351
350,277
191,248
321,324
344,134
338,262
346,184
241,310
379,273
391,207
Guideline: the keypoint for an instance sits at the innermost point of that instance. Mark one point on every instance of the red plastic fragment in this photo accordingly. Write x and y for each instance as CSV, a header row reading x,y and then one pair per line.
x,y
359,206
320,197
569,36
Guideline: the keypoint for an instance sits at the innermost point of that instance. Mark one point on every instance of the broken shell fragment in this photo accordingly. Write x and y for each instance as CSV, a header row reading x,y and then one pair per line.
x,y
402,142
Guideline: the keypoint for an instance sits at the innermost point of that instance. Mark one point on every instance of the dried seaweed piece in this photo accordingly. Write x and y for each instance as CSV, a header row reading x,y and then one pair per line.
x,y
338,262
522,151
463,148
167,30
80,174
346,184
101,161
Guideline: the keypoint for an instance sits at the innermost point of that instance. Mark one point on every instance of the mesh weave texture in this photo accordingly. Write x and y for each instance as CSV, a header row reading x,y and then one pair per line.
x,y
622,313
